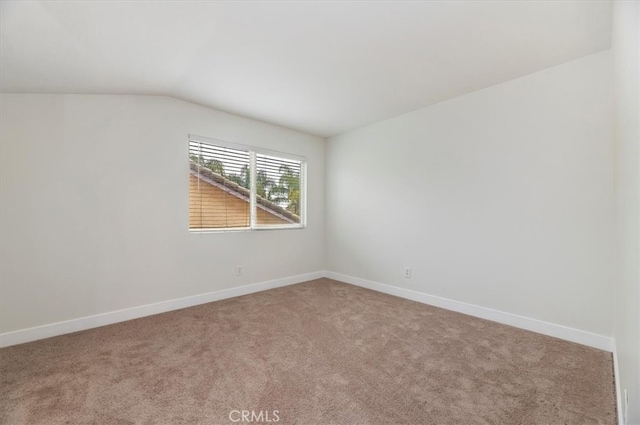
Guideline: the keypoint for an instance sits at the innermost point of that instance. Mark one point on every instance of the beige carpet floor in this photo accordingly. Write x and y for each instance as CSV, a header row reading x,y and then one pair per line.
x,y
320,352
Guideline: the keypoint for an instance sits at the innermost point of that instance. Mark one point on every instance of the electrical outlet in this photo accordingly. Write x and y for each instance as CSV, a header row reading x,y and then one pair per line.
x,y
238,270
407,272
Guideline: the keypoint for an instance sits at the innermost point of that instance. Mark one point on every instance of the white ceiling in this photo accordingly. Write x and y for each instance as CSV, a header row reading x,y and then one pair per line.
x,y
319,67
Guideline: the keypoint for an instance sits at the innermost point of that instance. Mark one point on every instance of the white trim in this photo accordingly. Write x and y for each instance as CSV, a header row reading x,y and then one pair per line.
x,y
616,374
558,331
303,193
253,212
84,323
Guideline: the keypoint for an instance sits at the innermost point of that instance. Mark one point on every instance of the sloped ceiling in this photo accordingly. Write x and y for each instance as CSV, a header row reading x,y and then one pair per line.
x,y
320,67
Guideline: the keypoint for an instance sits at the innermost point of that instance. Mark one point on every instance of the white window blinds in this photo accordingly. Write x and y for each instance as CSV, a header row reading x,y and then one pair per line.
x,y
235,187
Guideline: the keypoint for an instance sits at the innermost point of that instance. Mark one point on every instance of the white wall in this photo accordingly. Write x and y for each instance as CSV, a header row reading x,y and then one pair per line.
x,y
94,207
626,55
501,198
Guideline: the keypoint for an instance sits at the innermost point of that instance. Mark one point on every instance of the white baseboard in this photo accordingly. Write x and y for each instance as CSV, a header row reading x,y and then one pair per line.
x,y
616,374
558,331
84,323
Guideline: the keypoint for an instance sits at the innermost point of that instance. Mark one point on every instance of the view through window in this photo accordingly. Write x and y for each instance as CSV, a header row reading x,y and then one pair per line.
x,y
239,187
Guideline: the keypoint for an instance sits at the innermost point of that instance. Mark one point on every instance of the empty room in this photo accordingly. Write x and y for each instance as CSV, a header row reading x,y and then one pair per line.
x,y
320,212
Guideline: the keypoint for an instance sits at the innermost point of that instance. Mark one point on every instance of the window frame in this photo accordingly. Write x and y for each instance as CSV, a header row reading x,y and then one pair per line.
x,y
253,207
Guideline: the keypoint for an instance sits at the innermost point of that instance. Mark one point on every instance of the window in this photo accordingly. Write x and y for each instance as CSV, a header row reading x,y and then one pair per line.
x,y
240,187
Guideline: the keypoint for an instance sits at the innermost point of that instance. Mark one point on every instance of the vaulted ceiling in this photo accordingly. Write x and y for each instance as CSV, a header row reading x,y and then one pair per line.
x,y
320,67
